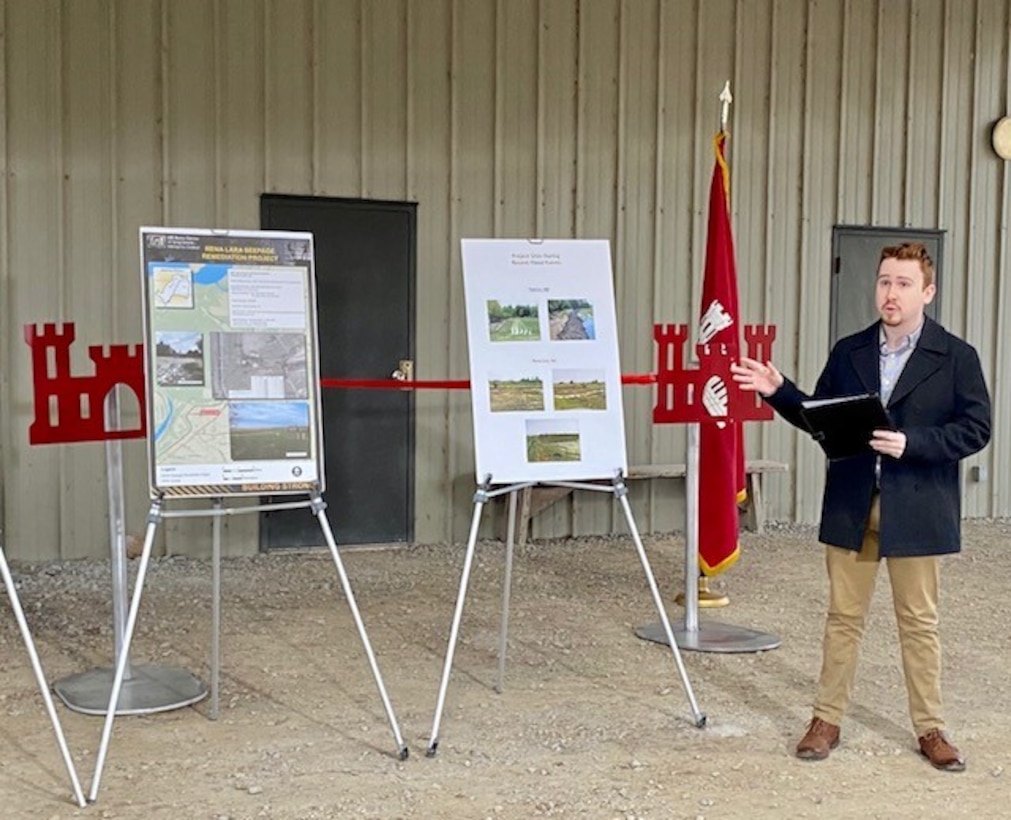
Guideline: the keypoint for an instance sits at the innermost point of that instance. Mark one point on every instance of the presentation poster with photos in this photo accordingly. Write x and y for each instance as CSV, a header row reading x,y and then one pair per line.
x,y
232,368
544,368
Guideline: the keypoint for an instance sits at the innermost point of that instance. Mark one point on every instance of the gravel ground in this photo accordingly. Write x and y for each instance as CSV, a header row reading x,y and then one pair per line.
x,y
593,722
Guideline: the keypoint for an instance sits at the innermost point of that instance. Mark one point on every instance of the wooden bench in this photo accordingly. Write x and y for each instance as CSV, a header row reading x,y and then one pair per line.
x,y
535,499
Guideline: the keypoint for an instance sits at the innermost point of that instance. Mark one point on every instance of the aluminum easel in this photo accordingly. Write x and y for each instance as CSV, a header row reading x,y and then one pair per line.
x,y
484,494
155,515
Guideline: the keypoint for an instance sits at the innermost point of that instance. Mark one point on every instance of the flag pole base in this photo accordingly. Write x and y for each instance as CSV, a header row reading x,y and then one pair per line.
x,y
707,598
150,689
712,637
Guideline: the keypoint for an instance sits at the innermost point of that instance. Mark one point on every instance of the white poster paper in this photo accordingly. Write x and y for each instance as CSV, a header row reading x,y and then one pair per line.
x,y
544,367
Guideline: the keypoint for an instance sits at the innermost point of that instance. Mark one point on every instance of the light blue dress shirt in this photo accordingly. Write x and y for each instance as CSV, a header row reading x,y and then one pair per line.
x,y
892,363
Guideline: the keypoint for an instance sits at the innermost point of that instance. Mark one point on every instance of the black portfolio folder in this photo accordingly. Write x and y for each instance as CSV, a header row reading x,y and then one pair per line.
x,y
843,426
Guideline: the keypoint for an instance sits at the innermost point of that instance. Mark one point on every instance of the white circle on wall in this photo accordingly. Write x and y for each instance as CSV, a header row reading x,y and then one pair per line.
x,y
1002,138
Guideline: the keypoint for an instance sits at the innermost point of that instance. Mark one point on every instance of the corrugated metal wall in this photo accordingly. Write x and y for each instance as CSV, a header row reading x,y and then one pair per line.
x,y
584,118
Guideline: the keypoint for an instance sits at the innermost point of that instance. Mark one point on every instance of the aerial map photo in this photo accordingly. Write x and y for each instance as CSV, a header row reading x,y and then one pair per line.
x,y
259,366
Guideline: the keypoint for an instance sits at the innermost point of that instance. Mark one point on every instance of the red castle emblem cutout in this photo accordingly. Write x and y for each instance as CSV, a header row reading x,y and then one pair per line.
x,y
688,394
70,408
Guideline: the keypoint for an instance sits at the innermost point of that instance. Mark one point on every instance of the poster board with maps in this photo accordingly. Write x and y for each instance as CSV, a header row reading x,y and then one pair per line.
x,y
544,366
231,360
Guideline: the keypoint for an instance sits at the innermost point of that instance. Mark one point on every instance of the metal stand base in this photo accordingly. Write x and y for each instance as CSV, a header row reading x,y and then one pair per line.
x,y
690,634
712,637
149,689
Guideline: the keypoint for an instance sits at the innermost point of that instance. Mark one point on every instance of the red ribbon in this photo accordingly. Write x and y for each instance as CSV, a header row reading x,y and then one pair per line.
x,y
445,384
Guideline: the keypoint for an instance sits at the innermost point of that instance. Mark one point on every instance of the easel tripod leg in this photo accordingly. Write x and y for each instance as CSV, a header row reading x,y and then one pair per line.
x,y
699,716
40,678
154,515
433,743
318,509
506,592
216,610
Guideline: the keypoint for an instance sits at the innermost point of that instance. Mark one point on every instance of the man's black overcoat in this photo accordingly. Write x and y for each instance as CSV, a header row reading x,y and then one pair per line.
x,y
942,405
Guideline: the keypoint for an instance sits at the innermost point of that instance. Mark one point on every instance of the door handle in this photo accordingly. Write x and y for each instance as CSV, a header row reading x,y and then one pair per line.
x,y
404,371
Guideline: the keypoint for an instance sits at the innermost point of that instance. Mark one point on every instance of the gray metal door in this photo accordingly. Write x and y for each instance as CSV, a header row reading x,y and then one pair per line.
x,y
365,280
855,254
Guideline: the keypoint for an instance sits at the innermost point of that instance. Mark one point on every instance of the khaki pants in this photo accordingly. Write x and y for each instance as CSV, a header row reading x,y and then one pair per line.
x,y
915,586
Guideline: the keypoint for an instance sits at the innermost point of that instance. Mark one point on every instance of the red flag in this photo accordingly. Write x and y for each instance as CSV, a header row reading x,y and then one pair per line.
x,y
721,444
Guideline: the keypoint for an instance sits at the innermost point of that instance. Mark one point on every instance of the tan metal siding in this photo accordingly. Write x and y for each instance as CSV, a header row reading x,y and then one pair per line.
x,y
989,209
384,82
798,294
557,119
473,157
890,139
89,283
240,136
924,98
430,182
338,106
857,101
678,57
636,228
288,84
597,173
1000,488
678,179
805,307
7,325
35,481
137,198
587,118
959,49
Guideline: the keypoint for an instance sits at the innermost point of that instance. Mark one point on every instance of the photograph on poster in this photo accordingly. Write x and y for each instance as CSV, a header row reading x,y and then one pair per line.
x,y
579,389
552,440
179,358
513,323
513,394
571,320
259,366
549,409
268,430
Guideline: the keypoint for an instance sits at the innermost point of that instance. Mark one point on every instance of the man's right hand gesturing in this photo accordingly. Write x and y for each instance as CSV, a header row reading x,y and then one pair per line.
x,y
751,374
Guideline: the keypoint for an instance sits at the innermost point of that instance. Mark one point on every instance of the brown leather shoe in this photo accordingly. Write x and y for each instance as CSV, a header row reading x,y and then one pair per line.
x,y
941,752
821,738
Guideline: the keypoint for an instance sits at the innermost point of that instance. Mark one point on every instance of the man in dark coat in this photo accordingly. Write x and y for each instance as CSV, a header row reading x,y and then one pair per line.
x,y
901,500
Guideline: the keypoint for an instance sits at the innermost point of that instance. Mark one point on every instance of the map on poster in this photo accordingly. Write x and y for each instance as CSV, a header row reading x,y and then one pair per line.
x,y
544,368
232,366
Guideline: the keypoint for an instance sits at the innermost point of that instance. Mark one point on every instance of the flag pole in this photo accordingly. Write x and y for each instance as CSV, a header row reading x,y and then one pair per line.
x,y
711,636
697,592
692,531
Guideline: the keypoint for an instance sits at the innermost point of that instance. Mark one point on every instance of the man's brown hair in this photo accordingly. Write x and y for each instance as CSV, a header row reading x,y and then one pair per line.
x,y
911,250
